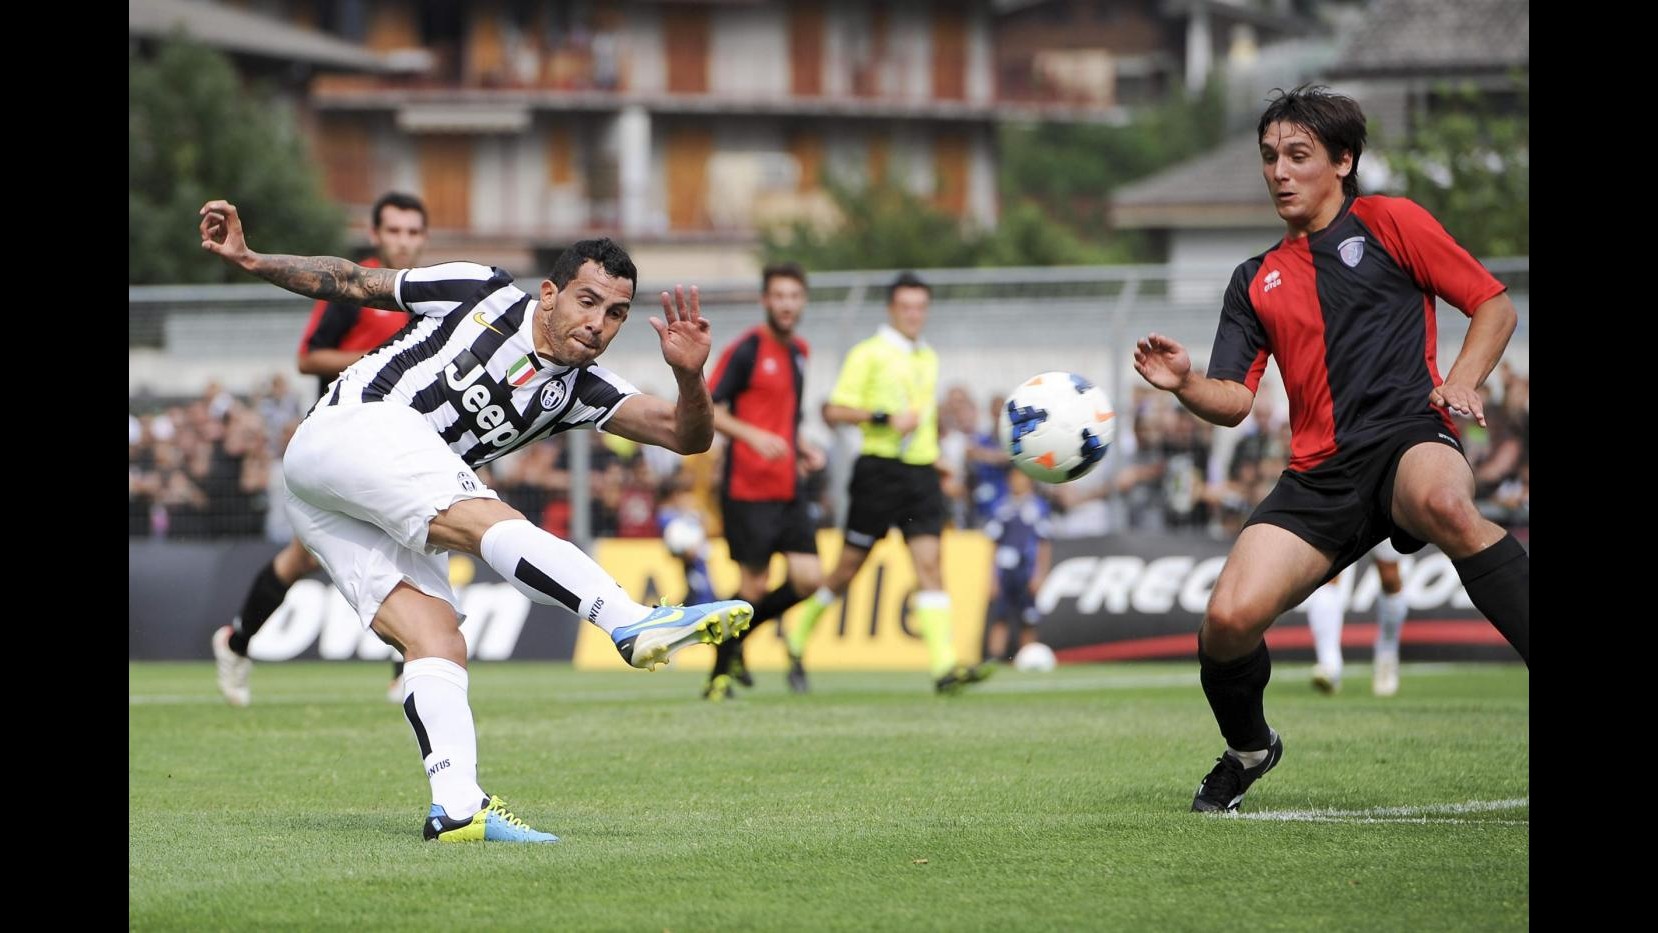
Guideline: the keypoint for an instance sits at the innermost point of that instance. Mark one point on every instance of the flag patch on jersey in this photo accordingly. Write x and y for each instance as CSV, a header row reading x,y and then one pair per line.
x,y
520,372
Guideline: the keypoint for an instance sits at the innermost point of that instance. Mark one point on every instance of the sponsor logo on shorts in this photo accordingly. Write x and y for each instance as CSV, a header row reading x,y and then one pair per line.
x,y
1450,440
861,540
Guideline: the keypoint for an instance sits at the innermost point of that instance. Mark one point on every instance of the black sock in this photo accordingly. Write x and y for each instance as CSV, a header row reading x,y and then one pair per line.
x,y
722,657
1236,690
264,596
1498,580
772,606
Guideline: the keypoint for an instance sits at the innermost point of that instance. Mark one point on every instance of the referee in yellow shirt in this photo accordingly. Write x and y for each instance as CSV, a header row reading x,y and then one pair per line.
x,y
887,387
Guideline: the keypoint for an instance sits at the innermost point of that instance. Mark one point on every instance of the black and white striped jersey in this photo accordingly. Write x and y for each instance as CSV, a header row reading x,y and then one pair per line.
x,y
467,363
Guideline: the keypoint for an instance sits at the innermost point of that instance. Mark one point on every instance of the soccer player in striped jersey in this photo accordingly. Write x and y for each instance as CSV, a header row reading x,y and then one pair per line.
x,y
381,482
1346,303
338,334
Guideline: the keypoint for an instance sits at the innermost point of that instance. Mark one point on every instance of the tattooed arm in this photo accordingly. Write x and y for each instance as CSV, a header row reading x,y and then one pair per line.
x,y
326,277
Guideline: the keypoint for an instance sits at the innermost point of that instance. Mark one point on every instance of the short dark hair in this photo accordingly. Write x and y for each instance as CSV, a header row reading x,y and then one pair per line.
x,y
907,280
399,200
1334,120
610,256
782,270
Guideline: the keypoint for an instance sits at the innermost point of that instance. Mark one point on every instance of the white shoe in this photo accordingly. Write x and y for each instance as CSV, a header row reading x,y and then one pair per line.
x,y
1386,681
1325,681
233,669
394,693
651,640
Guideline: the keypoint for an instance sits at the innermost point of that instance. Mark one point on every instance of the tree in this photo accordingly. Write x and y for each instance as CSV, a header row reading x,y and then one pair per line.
x,y
1070,170
882,227
885,227
1056,183
1469,163
193,134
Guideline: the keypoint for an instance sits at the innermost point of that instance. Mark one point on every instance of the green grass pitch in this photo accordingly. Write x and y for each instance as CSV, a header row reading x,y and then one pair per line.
x,y
1033,802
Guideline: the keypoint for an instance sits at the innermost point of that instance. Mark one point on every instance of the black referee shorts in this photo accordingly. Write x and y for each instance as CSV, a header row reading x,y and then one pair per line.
x,y
754,531
887,492
1345,504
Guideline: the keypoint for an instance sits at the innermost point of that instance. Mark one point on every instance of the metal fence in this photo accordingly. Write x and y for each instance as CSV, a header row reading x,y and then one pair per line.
x,y
992,328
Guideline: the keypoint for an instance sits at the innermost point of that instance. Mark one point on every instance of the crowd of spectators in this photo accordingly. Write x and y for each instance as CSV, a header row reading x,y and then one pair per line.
x,y
210,467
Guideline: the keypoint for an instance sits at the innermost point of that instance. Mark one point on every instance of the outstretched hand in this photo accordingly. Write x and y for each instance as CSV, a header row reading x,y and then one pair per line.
x,y
686,336
1162,361
221,232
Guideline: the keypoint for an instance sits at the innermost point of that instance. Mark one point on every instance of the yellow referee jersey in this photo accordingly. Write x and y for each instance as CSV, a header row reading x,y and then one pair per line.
x,y
891,373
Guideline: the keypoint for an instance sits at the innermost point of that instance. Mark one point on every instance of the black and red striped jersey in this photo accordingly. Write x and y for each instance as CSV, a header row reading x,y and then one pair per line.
x,y
1348,313
339,325
761,377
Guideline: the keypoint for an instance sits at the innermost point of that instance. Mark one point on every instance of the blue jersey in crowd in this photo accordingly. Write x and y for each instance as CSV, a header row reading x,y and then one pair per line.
x,y
988,480
1018,526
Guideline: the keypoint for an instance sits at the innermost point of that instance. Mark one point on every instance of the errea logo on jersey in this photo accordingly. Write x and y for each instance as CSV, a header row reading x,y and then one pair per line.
x,y
1273,280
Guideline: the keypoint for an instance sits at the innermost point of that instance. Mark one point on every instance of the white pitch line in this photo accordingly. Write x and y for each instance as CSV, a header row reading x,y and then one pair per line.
x,y
1413,814
1420,821
180,699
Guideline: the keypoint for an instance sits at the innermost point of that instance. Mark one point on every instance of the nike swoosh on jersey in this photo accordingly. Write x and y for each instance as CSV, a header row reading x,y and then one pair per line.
x,y
479,317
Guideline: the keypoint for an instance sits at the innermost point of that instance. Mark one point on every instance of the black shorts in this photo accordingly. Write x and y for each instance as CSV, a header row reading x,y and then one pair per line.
x,y
1345,504
754,531
887,492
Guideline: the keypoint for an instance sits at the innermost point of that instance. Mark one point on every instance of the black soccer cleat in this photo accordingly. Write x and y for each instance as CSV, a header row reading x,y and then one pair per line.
x,y
738,668
961,675
1224,788
797,675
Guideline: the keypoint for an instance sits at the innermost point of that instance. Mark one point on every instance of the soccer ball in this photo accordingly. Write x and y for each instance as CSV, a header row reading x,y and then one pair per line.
x,y
1057,426
684,534
1035,657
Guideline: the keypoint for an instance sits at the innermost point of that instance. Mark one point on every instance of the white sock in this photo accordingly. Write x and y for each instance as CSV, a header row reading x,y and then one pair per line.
x,y
824,596
1390,624
552,571
1324,617
434,702
1251,759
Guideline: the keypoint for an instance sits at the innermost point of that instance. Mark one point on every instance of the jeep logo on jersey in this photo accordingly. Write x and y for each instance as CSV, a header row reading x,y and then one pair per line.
x,y
553,394
1351,250
490,421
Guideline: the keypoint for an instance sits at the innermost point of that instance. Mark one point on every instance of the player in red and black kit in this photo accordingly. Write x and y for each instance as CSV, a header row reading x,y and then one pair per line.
x,y
757,390
1346,304
336,336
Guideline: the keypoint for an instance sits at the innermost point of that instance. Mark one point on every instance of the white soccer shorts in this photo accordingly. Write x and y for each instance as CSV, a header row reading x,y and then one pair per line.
x,y
364,481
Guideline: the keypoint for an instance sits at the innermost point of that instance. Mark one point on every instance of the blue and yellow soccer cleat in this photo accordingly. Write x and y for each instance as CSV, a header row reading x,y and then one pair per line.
x,y
494,823
651,640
